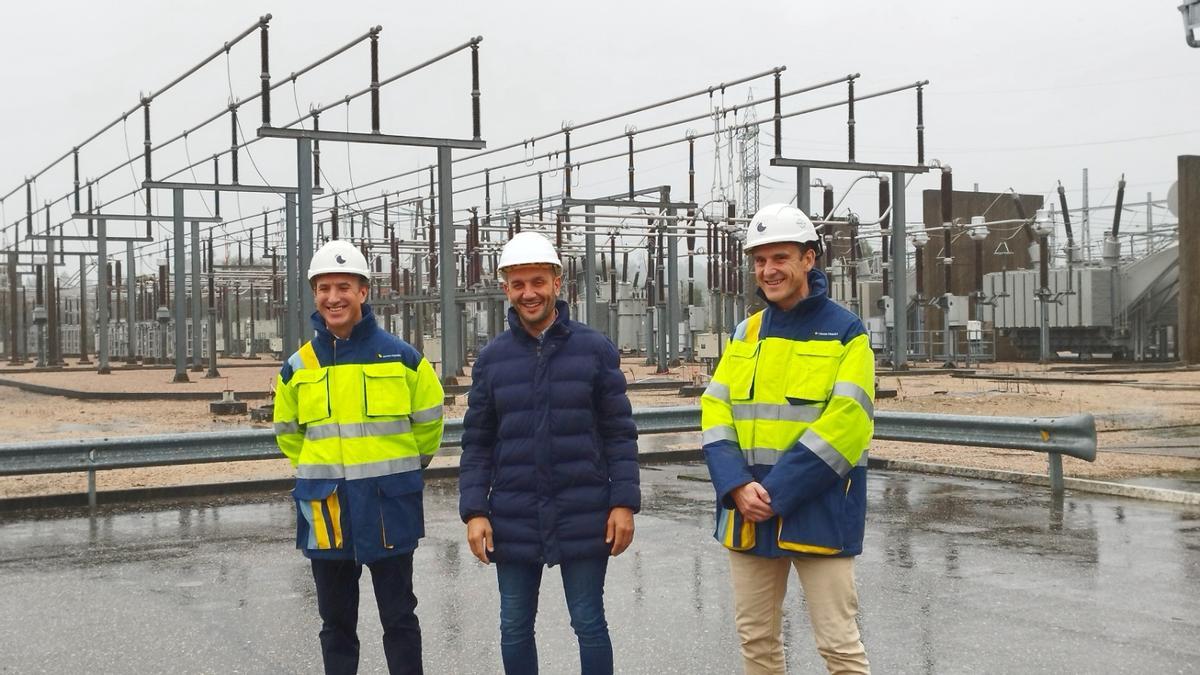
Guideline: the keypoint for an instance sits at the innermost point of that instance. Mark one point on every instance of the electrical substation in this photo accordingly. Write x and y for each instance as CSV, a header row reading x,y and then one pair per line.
x,y
976,180
978,276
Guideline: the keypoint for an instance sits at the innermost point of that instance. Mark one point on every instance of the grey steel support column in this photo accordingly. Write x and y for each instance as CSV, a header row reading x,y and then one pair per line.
x,y
53,343
130,303
899,276
293,288
304,164
83,331
589,266
197,302
39,316
803,198
236,317
227,324
23,329
447,279
212,317
648,322
660,321
253,312
180,291
14,313
102,354
673,310
1187,335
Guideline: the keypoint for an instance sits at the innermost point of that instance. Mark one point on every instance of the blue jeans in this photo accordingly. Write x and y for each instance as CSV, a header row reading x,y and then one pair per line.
x,y
583,584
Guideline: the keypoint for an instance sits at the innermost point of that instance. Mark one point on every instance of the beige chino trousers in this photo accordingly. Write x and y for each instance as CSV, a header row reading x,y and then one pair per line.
x,y
759,586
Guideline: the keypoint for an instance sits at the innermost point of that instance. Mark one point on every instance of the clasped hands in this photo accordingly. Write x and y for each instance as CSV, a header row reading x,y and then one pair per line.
x,y
753,502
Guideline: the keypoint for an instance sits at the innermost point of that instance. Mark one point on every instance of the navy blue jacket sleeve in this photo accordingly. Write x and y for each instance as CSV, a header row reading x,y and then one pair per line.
x,y
618,433
478,441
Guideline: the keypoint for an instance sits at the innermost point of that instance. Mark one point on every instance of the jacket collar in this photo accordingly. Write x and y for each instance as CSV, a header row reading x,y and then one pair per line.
x,y
558,327
818,295
364,327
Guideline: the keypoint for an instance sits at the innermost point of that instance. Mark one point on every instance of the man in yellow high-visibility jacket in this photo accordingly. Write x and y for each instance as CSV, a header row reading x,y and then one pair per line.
x,y
787,419
358,411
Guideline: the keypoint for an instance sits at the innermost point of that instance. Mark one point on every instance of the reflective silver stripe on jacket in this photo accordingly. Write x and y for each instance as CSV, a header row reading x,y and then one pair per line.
x,y
770,457
721,432
764,456
357,429
852,390
785,412
426,415
828,454
717,390
386,467
282,428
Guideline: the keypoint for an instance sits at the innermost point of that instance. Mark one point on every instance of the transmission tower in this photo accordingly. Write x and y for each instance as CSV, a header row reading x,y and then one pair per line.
x,y
748,157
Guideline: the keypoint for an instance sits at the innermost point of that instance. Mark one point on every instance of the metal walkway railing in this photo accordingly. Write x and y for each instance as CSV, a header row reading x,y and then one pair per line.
x,y
1074,436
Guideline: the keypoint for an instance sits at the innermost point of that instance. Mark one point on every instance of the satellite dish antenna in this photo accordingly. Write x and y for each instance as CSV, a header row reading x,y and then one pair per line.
x,y
1173,199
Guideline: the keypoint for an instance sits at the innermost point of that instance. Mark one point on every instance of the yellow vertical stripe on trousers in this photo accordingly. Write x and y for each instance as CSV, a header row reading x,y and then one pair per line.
x,y
309,357
335,517
318,524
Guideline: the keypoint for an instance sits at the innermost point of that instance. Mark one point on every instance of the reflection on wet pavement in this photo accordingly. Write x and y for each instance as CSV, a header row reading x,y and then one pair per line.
x,y
957,576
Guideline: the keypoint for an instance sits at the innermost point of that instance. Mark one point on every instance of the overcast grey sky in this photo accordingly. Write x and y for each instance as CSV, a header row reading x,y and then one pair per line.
x,y
1021,93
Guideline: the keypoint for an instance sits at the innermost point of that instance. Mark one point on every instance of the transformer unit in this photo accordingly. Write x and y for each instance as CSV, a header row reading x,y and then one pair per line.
x,y
1087,303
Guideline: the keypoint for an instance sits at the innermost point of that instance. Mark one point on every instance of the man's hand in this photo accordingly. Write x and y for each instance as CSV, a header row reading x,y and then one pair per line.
x,y
753,502
479,537
620,529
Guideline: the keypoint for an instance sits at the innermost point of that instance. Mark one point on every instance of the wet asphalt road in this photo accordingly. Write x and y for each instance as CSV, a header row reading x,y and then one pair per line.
x,y
958,576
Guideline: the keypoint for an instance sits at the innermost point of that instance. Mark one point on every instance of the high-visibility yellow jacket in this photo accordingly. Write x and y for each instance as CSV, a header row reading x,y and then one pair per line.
x,y
791,406
358,418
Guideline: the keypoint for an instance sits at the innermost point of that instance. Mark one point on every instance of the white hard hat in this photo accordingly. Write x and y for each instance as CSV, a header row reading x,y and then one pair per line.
x,y
338,257
528,248
776,223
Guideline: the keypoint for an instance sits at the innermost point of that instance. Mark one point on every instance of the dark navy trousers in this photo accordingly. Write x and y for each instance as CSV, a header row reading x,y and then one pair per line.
x,y
337,602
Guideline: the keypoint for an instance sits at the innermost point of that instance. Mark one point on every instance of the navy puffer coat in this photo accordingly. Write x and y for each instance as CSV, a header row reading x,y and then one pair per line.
x,y
549,443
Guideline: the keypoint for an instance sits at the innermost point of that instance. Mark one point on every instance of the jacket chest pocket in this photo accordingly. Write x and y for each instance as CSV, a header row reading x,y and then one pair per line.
x,y
812,371
385,390
741,360
312,394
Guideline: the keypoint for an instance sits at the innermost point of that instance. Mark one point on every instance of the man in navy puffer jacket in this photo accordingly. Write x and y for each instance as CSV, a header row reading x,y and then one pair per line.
x,y
549,471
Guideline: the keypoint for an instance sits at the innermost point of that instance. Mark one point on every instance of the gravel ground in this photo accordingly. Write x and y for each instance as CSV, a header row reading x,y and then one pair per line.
x,y
1149,424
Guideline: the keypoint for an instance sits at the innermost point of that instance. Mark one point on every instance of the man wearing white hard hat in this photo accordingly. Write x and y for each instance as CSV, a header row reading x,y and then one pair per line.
x,y
549,470
786,422
358,411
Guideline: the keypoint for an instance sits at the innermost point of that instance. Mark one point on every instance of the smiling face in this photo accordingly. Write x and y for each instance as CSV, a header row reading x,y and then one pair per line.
x,y
532,290
781,271
339,299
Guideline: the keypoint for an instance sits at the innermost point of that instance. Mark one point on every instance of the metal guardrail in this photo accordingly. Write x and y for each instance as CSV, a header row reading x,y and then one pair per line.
x,y
1074,436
